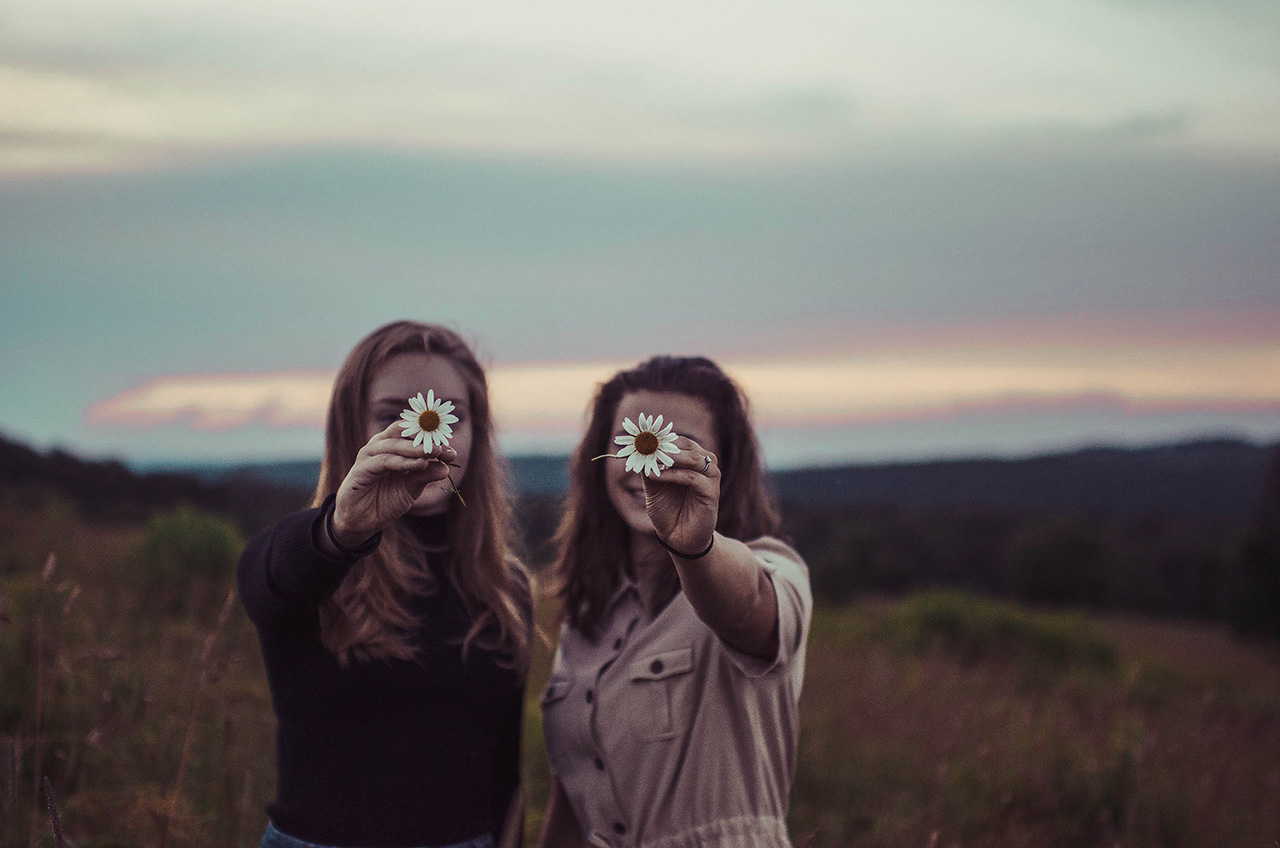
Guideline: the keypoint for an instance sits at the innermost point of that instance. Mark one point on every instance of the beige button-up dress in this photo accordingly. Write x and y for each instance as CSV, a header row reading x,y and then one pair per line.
x,y
665,737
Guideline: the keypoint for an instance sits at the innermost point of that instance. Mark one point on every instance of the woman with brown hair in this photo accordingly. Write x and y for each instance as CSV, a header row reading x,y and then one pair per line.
x,y
670,714
394,620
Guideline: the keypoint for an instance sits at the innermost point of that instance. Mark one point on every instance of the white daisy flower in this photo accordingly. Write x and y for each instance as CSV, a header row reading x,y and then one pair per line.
x,y
648,446
427,421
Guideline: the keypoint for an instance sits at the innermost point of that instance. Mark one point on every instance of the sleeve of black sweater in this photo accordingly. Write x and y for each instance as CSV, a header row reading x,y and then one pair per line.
x,y
283,578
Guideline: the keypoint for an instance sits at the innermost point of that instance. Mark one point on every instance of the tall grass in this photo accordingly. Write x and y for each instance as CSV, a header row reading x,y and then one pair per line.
x,y
979,629
101,681
936,720
953,720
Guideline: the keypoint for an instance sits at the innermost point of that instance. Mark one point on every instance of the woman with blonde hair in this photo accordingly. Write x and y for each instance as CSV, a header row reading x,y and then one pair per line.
x,y
671,712
393,618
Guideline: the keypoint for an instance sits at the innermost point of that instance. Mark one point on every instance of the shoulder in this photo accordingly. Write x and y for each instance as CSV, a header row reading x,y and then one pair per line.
x,y
787,569
778,557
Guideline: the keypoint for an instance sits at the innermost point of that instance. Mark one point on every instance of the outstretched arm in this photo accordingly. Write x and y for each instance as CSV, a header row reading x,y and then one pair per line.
x,y
728,588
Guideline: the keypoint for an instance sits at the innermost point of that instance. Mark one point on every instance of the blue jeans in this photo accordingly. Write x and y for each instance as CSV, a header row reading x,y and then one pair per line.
x,y
272,838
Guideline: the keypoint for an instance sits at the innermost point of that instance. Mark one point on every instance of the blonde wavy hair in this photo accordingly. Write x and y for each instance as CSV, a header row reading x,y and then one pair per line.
x,y
367,617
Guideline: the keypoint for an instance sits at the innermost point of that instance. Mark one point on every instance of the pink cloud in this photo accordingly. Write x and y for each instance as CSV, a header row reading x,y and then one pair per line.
x,y
219,401
1230,378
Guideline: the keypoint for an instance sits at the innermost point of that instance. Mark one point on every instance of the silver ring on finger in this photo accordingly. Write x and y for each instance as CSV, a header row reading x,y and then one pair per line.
x,y
706,464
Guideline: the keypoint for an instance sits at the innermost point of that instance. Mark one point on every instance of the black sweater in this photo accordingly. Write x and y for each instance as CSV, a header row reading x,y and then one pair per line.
x,y
382,753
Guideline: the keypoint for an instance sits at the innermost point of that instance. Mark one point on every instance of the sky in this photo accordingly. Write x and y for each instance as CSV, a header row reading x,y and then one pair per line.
x,y
909,229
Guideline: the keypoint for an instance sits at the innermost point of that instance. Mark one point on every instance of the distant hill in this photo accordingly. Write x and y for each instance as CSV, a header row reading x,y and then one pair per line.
x,y
1219,478
534,475
113,492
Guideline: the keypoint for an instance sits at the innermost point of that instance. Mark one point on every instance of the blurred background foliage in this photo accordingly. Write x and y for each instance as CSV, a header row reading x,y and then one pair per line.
x,y
976,676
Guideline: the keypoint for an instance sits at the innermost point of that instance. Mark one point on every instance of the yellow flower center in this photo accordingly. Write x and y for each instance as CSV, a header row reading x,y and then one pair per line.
x,y
429,420
646,443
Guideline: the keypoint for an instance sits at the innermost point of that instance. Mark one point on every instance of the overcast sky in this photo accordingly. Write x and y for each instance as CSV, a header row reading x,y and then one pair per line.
x,y
911,228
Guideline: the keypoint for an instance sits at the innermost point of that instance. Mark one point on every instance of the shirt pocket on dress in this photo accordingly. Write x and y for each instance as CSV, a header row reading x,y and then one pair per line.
x,y
558,687
662,694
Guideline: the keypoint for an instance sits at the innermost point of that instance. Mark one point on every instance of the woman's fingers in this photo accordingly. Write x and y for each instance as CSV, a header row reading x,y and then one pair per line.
x,y
690,467
388,462
692,456
682,477
393,437
382,443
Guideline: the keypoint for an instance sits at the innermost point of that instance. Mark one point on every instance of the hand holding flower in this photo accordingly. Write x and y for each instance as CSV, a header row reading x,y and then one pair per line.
x,y
387,477
684,504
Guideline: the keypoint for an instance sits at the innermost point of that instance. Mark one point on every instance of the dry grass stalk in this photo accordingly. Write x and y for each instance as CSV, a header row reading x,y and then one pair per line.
x,y
208,669
50,564
54,820
242,810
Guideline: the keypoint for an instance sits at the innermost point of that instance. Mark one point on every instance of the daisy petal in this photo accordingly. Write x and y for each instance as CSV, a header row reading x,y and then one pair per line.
x,y
662,457
431,398
449,419
624,440
445,407
629,427
417,440
657,425
417,404
627,451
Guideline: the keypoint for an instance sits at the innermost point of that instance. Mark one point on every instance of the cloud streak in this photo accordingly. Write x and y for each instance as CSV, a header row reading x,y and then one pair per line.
x,y
219,402
531,398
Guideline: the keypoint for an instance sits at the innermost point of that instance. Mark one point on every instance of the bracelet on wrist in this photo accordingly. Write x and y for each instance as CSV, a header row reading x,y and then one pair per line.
x,y
365,548
699,555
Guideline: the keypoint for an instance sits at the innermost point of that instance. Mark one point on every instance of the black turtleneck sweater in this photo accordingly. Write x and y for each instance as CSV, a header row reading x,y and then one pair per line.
x,y
381,753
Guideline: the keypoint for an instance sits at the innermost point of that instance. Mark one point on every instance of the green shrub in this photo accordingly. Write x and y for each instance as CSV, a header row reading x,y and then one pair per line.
x,y
981,628
187,551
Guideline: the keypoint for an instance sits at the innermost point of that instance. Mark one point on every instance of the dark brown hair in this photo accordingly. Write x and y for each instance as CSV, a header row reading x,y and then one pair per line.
x,y
367,617
593,542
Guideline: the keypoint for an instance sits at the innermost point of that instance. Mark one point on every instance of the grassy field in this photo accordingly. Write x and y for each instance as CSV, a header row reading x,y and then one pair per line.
x,y
933,720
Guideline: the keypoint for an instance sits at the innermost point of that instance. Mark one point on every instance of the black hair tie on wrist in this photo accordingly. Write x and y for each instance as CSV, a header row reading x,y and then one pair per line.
x,y
363,549
704,552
